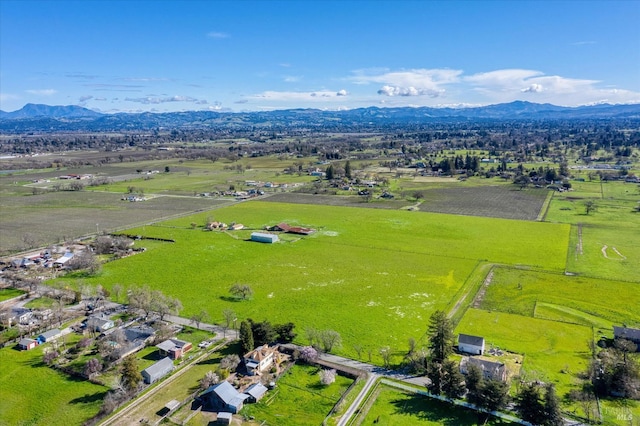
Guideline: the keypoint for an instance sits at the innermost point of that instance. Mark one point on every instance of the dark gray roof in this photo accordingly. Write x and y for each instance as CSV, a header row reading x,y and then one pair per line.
x,y
51,333
470,340
626,333
26,341
159,368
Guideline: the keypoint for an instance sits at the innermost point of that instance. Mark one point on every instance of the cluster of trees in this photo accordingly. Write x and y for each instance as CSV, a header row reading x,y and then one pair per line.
x,y
533,405
325,340
153,301
614,371
254,334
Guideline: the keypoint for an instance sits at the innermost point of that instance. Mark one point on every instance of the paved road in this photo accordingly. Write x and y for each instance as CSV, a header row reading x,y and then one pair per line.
x,y
344,420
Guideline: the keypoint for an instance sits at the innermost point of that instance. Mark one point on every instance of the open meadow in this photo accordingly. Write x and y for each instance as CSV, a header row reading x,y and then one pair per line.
x,y
380,274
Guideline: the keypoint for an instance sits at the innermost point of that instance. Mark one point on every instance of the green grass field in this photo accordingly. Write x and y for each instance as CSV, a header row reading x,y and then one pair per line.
x,y
380,273
398,408
9,293
33,394
299,398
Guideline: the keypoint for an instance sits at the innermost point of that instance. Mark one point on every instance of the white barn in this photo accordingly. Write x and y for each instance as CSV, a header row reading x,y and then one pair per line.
x,y
263,237
471,344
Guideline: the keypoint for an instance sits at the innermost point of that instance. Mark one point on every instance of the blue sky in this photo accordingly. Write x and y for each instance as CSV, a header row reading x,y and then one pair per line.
x,y
115,56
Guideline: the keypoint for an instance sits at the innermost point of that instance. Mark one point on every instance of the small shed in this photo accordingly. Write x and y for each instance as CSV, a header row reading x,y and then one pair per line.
x,y
157,371
627,333
27,344
256,391
174,348
50,335
471,344
262,237
224,418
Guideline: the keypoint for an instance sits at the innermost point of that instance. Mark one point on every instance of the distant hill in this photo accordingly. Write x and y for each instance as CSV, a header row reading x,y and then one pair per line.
x,y
41,110
34,117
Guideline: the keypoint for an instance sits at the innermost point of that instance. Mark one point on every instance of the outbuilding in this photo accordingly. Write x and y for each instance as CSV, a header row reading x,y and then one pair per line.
x,y
50,335
262,237
224,418
157,371
27,344
256,391
471,344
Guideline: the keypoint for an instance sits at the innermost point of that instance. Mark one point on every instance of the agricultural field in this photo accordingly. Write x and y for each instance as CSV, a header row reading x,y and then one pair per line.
x,y
454,197
395,407
364,265
9,293
299,398
65,400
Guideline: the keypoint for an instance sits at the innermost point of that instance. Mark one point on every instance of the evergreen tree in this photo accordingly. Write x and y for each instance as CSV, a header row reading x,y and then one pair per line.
x,y
529,403
435,375
494,395
453,381
441,336
552,414
330,172
246,337
473,382
347,170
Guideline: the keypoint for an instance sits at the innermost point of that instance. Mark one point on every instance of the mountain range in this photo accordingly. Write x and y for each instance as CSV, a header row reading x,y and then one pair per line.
x,y
38,117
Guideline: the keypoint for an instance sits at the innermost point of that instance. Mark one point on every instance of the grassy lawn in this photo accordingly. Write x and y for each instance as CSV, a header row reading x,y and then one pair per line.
x,y
45,396
300,400
395,407
10,293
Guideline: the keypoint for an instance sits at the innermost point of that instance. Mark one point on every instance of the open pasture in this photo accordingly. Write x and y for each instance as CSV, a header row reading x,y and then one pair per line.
x,y
553,351
33,394
375,276
517,291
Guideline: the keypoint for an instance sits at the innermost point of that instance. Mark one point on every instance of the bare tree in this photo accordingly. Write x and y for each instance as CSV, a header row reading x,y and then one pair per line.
x,y
241,291
330,339
229,317
199,318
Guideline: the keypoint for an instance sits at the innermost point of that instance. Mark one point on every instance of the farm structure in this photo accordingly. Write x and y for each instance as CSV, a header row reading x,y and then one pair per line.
x,y
256,391
632,334
284,227
27,344
262,237
490,369
224,397
157,371
99,323
174,348
50,335
471,344
224,418
259,359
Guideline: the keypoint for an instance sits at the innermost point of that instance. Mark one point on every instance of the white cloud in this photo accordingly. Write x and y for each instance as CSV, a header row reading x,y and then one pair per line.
x,y
42,92
342,93
85,98
147,100
217,35
292,78
414,82
320,95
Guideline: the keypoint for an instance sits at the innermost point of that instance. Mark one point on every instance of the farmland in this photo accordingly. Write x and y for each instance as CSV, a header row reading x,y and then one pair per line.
x,y
365,264
65,400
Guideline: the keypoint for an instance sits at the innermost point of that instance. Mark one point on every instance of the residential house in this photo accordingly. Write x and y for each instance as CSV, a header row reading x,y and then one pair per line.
x,y
262,237
157,371
63,260
21,316
632,334
223,397
50,335
99,323
174,348
27,344
471,344
259,359
490,369
256,391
